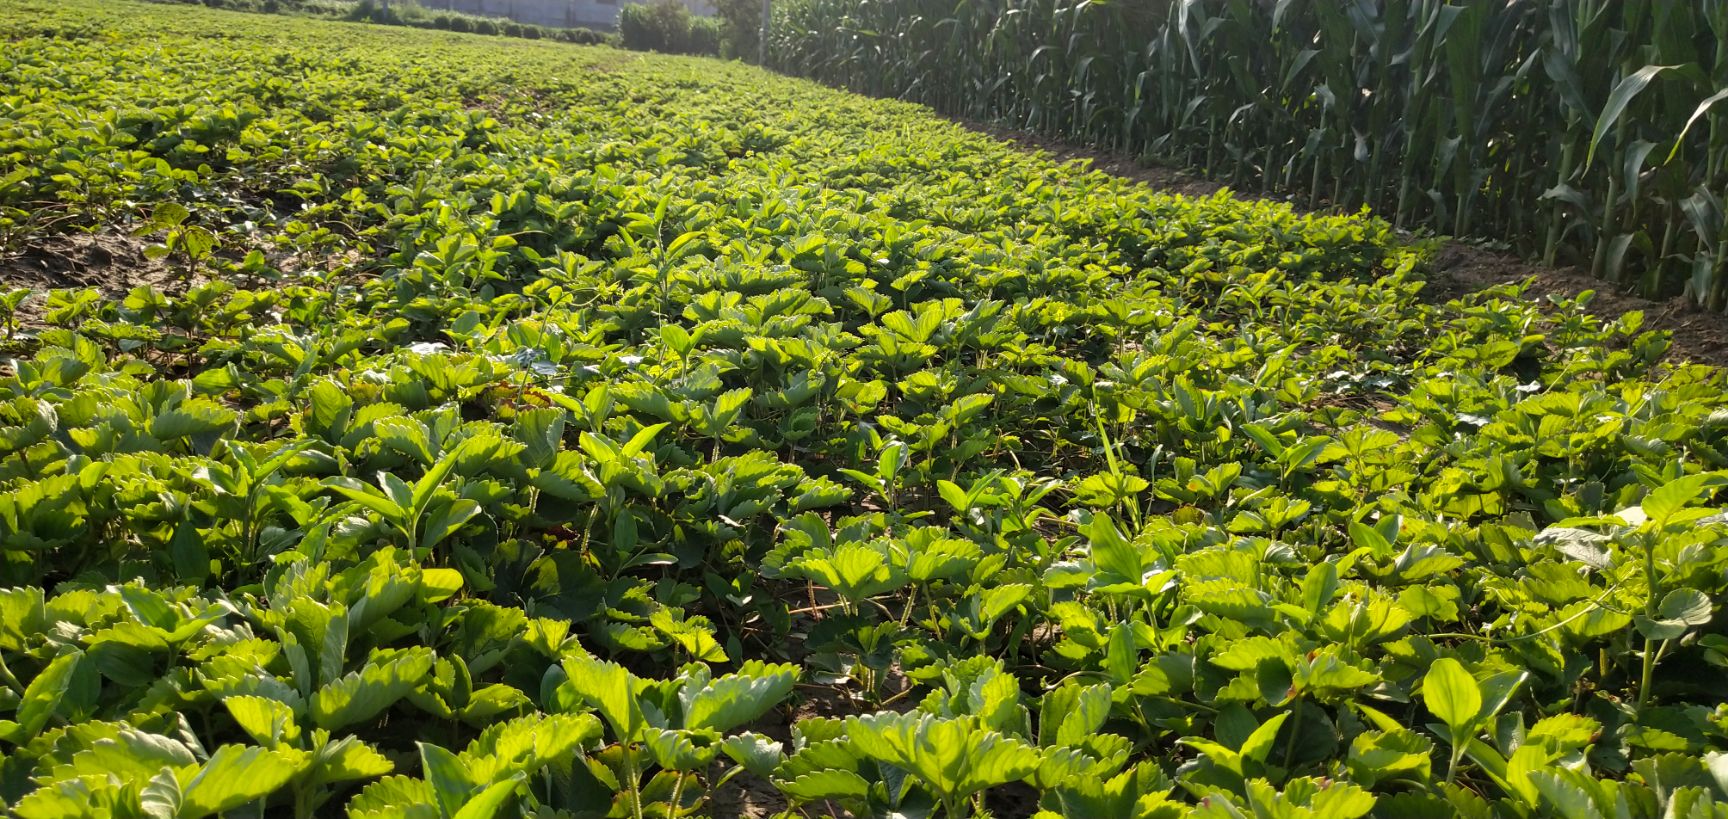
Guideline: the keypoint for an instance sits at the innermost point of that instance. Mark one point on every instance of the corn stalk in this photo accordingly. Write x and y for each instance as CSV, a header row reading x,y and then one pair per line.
x,y
1586,132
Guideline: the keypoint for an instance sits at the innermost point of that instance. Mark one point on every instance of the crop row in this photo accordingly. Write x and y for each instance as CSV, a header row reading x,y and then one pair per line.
x,y
531,430
1580,131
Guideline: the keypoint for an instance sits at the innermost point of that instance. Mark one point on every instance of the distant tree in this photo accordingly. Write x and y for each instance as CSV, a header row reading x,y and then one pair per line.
x,y
740,27
660,25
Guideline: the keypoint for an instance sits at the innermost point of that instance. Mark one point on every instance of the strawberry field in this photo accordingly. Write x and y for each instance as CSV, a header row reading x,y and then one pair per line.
x,y
412,424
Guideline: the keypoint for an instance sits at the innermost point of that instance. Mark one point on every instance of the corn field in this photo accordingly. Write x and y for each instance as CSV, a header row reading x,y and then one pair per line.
x,y
1588,132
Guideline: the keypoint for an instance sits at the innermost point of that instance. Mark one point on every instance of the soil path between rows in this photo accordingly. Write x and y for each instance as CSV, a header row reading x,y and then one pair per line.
x,y
1699,336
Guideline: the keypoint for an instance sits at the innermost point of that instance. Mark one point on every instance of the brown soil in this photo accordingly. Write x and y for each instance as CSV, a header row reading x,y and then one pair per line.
x,y
746,796
109,261
1165,179
1700,336
1459,269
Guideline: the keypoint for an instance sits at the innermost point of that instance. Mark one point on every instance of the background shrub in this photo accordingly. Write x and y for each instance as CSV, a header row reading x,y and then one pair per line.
x,y
581,36
704,37
740,28
661,25
411,13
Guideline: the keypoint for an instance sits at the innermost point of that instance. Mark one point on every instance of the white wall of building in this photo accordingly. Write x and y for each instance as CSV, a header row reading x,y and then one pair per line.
x,y
598,14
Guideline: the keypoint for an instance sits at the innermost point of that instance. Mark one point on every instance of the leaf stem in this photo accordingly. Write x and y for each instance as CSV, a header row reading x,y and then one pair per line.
x,y
10,680
677,795
634,785
1647,678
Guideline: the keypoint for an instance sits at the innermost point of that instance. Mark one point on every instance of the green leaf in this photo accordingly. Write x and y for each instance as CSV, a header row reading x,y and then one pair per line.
x,y
954,495
268,722
952,757
407,436
1563,796
526,744
190,554
195,416
148,607
448,775
1689,607
611,690
69,799
758,754
1111,551
694,635
438,585
23,617
346,760
1384,755
737,699
1451,694
487,803
446,521
167,215
1622,96
1697,114
369,497
1260,743
364,694
1367,537
1680,611
1107,489
681,750
642,439
1091,709
1122,653
237,775
397,796
43,695
854,571
1671,497
825,784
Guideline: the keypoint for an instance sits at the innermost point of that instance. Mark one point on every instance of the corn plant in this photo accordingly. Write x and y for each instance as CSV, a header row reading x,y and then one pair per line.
x,y
1585,132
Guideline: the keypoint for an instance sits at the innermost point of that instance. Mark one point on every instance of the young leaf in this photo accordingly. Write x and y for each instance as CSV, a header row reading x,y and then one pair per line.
x,y
237,775
737,699
611,690
42,697
1671,497
1451,694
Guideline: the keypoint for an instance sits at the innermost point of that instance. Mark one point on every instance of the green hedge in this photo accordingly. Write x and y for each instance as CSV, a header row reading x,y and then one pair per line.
x,y
667,26
407,13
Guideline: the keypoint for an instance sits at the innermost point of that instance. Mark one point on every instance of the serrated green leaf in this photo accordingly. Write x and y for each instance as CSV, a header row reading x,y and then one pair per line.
x,y
236,776
362,695
1452,695
609,689
732,700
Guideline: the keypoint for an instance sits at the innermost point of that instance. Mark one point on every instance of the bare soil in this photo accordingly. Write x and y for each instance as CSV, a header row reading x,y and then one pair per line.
x,y
1699,335
108,261
1459,269
746,796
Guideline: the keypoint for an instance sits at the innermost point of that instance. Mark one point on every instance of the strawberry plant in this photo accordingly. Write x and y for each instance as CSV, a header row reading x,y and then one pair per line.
x,y
547,435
